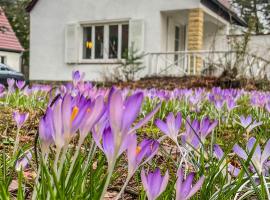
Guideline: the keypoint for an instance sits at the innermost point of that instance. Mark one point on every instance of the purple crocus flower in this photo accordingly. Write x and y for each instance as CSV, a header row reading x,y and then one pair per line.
x,y
77,77
2,90
191,135
245,121
219,154
67,115
259,159
248,124
147,149
206,127
154,184
196,132
20,84
219,104
184,188
20,118
91,117
171,127
230,104
46,131
108,146
123,112
10,83
23,163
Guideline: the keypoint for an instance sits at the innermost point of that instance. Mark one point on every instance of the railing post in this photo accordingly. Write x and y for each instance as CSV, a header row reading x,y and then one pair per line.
x,y
150,71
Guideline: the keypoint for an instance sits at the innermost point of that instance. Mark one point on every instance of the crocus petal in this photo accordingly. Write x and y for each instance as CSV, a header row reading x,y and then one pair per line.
x,y
116,111
108,144
132,109
186,186
144,180
250,145
266,152
234,170
164,183
240,152
178,121
218,152
162,126
23,162
180,175
146,119
131,153
196,187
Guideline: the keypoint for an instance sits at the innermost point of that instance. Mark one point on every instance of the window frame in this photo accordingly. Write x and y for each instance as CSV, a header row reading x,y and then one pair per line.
x,y
4,59
106,36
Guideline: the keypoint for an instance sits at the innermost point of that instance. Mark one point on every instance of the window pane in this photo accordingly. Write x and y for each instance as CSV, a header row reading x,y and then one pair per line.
x,y
99,43
87,43
124,40
113,42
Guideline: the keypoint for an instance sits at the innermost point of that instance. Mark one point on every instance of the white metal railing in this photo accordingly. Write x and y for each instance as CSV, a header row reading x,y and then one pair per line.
x,y
183,63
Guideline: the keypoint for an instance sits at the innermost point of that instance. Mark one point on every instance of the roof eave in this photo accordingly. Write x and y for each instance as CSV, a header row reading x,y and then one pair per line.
x,y
231,14
12,50
31,5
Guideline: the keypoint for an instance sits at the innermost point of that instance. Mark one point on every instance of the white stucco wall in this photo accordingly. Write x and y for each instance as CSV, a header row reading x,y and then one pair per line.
x,y
260,45
13,60
49,19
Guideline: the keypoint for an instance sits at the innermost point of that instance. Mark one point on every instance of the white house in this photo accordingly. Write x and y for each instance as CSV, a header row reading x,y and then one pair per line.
x,y
91,36
10,47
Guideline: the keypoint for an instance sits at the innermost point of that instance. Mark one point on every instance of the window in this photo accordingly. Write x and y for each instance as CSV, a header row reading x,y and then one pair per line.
x,y
99,42
124,40
113,41
3,59
87,43
107,41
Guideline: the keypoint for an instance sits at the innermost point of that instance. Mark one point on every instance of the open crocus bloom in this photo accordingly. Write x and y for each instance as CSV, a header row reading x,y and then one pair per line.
x,y
23,163
184,188
219,154
154,184
171,127
196,132
246,122
122,114
20,118
20,84
108,146
147,149
259,159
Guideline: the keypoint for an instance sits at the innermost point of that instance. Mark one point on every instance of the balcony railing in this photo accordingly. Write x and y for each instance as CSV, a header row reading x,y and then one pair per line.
x,y
211,63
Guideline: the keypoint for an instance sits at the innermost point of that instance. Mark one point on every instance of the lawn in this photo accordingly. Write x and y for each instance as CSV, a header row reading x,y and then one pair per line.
x,y
79,141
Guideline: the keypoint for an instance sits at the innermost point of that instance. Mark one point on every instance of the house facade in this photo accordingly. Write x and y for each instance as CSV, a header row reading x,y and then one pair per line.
x,y
10,47
92,36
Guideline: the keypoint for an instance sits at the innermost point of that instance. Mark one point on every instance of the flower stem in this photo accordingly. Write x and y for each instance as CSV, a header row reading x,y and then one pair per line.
x,y
73,161
16,142
123,188
110,172
266,188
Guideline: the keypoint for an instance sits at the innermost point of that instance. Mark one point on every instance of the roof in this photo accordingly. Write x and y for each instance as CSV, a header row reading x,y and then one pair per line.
x,y
222,7
8,39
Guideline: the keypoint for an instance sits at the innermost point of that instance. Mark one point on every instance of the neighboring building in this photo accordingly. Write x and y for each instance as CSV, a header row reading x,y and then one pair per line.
x,y
10,47
91,36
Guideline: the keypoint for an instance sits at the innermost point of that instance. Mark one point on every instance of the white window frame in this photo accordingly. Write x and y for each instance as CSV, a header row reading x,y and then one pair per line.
x,y
106,58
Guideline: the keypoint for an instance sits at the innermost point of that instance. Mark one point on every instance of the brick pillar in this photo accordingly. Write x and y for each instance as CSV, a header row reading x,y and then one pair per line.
x,y
195,36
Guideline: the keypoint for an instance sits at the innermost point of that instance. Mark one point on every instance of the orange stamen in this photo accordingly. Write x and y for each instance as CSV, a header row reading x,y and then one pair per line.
x,y
138,150
74,113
